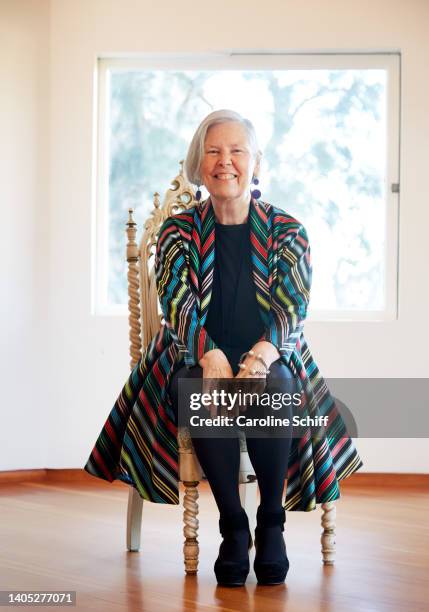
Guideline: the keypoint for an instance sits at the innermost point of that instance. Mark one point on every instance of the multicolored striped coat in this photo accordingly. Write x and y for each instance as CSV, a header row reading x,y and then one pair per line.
x,y
138,442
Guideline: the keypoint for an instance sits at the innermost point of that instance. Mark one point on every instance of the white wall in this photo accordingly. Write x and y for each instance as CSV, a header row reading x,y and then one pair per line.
x,y
24,113
89,357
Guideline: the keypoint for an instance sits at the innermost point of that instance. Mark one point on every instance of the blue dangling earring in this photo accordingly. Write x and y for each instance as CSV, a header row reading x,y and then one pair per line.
x,y
198,194
255,193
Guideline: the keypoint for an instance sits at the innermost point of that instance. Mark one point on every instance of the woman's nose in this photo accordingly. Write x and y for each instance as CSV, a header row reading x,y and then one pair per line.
x,y
224,159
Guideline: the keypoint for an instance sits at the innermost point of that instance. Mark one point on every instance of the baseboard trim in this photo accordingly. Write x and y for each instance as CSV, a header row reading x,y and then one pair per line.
x,y
386,480
375,480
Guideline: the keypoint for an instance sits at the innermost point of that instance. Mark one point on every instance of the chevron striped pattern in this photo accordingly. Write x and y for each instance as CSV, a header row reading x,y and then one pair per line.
x,y
138,442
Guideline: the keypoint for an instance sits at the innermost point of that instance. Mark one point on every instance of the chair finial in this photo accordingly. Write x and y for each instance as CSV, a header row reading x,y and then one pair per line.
x,y
130,217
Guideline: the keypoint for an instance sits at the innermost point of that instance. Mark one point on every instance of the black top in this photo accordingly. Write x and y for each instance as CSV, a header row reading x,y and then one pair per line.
x,y
233,320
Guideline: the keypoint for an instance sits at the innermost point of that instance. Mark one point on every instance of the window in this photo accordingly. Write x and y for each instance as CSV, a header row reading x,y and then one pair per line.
x,y
328,126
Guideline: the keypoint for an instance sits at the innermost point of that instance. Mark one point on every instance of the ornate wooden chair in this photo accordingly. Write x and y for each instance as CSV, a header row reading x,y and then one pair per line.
x,y
144,320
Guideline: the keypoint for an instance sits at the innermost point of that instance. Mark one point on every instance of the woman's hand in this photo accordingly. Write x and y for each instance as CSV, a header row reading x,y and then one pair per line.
x,y
269,353
252,387
215,365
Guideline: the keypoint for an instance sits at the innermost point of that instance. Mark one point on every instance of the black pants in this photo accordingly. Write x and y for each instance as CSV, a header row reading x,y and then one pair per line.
x,y
220,457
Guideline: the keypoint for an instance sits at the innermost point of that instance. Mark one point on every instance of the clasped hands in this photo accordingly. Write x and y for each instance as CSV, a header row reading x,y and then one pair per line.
x,y
216,366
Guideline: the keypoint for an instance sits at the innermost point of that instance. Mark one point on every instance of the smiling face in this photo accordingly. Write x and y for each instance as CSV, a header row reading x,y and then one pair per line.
x,y
228,163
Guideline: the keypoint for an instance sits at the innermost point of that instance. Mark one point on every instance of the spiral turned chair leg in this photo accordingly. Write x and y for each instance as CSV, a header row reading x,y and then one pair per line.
x,y
328,534
190,530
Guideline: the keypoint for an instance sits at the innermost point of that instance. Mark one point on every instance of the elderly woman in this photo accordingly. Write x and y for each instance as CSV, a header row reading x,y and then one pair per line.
x,y
233,277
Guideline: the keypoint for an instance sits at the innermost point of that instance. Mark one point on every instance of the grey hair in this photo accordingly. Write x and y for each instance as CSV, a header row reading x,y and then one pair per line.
x,y
196,148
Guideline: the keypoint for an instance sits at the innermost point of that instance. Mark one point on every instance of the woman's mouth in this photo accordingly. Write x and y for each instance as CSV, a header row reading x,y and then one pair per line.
x,y
225,176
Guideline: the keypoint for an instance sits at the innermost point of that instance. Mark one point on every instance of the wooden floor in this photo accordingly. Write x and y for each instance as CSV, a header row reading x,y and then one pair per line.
x,y
71,536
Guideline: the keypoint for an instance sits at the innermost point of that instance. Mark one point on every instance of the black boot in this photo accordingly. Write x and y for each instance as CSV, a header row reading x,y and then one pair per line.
x,y
232,565
271,563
